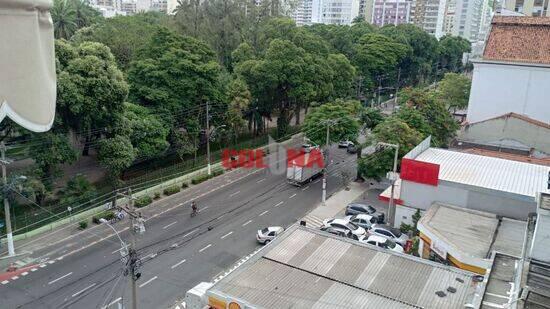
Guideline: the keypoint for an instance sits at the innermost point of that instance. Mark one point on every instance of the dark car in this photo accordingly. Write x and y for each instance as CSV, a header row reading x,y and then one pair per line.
x,y
357,208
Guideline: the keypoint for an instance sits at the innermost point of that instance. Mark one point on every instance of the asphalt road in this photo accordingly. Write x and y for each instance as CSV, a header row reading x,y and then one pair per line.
x,y
177,251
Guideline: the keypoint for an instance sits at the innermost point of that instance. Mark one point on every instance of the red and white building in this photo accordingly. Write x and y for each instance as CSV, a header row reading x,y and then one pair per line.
x,y
495,185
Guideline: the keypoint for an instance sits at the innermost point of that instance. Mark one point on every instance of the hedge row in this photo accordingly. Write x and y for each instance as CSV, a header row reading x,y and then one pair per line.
x,y
143,201
205,177
171,190
107,215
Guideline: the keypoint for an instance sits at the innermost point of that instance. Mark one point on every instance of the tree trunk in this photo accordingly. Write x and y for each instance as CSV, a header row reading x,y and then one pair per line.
x,y
297,113
86,150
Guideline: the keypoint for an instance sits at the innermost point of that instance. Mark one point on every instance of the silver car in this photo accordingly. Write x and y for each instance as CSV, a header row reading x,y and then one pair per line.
x,y
363,220
344,224
390,233
266,235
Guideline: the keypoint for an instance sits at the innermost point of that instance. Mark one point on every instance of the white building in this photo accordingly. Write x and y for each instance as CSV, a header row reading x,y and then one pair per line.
x,y
467,19
514,74
503,187
388,12
449,22
430,16
302,14
338,12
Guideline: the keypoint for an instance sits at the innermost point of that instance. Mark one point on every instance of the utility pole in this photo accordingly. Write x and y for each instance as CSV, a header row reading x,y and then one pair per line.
x,y
133,262
397,87
379,89
324,195
392,176
208,139
4,162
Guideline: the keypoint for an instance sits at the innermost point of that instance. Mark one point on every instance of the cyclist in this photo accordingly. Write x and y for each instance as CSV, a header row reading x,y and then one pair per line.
x,y
194,207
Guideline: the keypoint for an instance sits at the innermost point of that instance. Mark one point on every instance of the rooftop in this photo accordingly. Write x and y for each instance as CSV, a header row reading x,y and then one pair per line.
x,y
519,39
306,268
488,172
473,233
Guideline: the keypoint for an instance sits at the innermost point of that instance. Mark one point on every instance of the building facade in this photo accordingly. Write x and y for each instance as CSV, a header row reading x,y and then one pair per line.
x,y
528,7
430,16
389,12
337,12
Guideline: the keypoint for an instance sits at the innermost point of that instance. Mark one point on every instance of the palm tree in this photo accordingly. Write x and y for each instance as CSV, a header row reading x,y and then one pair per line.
x,y
64,19
85,15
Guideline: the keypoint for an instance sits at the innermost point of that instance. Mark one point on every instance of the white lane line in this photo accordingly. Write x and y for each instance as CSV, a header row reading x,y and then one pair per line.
x,y
169,225
316,181
64,276
84,289
178,264
42,265
234,193
224,236
304,189
117,250
204,208
14,277
209,245
193,231
247,222
34,269
263,213
260,180
293,195
5,282
147,282
51,262
279,204
25,273
112,303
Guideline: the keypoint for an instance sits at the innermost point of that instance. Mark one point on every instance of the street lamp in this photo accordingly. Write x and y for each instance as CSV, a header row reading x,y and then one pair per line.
x,y
123,250
208,134
392,176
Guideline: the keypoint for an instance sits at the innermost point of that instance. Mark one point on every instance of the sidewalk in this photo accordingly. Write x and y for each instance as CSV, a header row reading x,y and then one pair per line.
x,y
335,204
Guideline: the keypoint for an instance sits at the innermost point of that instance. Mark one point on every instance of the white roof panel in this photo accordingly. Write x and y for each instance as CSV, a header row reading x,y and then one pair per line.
x,y
488,172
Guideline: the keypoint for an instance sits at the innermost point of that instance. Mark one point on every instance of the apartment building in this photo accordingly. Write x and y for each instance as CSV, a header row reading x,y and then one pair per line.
x,y
430,16
302,14
528,7
388,12
449,21
338,12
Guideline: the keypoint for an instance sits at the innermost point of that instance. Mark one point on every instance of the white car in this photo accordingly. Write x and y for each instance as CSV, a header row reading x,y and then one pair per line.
x,y
266,235
344,224
363,220
390,233
381,242
308,147
345,144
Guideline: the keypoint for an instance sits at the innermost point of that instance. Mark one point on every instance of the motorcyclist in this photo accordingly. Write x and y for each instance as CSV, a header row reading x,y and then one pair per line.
x,y
194,207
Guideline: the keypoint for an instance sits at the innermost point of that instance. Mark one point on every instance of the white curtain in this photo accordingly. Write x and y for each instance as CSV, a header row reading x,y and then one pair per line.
x,y
27,63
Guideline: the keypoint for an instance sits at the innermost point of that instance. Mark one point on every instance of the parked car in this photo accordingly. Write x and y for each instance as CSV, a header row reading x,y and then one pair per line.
x,y
344,224
266,235
389,232
358,208
344,144
381,242
309,147
340,232
363,220
352,149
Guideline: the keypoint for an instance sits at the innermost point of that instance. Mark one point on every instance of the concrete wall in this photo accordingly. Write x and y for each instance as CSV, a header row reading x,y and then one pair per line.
x,y
503,131
498,89
423,196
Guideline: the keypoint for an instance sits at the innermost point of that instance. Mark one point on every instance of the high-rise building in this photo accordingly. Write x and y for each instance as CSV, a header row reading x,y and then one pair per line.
x,y
449,21
467,20
302,14
388,12
430,15
528,7
339,12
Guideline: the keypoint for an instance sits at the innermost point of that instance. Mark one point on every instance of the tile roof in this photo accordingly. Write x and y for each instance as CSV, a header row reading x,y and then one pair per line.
x,y
519,39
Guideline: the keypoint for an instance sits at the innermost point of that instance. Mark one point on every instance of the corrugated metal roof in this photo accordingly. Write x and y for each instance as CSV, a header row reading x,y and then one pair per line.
x,y
307,268
488,172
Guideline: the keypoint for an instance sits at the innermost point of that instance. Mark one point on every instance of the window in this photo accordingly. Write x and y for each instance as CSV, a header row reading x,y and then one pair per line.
x,y
352,226
265,231
271,234
371,243
385,233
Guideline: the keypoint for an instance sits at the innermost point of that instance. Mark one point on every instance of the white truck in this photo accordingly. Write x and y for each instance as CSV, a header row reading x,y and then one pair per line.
x,y
305,167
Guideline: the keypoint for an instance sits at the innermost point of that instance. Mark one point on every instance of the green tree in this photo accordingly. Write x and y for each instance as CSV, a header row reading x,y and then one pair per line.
x,y
64,19
148,134
450,51
53,150
341,122
415,119
240,98
343,75
78,190
116,154
90,90
371,117
85,15
393,131
454,90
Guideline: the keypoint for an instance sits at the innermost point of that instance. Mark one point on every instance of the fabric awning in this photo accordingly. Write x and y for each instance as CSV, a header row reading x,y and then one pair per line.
x,y
27,63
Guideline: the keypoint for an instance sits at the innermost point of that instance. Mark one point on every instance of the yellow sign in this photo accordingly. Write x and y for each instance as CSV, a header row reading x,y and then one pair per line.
x,y
216,303
233,305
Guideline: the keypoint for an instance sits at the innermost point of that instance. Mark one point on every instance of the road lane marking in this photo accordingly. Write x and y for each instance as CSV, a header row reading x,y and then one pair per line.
x,y
247,222
51,262
25,273
5,282
204,208
293,195
260,180
42,265
279,204
224,236
64,276
147,282
84,289
263,213
234,193
34,269
316,181
169,225
112,303
209,245
304,189
14,278
193,231
178,264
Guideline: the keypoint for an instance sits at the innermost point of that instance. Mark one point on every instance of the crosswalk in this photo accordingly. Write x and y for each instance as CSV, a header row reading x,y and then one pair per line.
x,y
312,221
